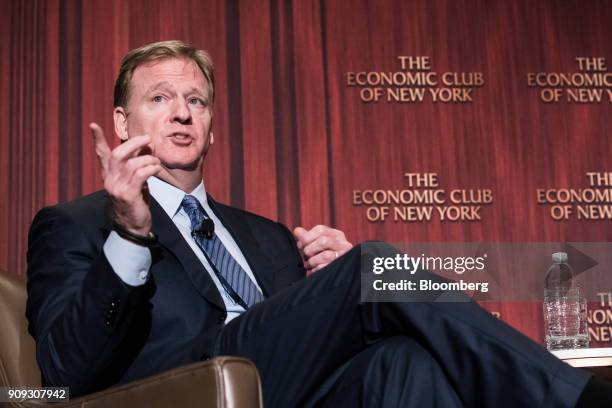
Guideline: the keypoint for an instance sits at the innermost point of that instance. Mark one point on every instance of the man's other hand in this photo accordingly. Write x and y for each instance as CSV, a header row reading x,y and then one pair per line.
x,y
320,245
125,171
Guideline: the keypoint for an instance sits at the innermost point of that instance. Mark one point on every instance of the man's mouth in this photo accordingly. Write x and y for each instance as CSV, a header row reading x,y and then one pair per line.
x,y
180,138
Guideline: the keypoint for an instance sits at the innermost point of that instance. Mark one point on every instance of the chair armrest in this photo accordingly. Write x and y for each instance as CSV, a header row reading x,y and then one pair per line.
x,y
223,382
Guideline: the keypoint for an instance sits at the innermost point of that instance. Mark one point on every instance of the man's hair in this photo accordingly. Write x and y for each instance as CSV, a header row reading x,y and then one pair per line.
x,y
155,52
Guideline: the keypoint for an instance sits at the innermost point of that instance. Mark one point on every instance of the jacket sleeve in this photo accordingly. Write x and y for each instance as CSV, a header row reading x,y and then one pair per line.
x,y
88,324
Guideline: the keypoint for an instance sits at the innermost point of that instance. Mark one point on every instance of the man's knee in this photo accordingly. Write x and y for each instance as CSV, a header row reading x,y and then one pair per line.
x,y
401,372
403,355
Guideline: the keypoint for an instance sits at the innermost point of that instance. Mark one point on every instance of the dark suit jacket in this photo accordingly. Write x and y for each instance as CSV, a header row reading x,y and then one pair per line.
x,y
93,331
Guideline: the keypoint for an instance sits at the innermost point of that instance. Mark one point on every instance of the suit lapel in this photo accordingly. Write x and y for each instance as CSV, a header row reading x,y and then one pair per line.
x,y
171,238
260,264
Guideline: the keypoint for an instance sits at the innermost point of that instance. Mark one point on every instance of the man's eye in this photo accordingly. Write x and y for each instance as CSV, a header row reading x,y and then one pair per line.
x,y
157,98
197,101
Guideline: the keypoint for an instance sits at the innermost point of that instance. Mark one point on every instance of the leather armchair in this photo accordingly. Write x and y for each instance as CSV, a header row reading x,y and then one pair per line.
x,y
226,382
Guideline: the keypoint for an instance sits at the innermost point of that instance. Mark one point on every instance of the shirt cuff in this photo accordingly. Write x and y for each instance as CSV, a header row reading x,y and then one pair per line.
x,y
130,261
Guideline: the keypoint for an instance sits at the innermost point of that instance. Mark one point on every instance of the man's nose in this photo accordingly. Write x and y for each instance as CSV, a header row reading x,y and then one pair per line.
x,y
181,112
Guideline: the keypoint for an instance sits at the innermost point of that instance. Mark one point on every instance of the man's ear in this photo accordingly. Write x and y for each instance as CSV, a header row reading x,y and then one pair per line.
x,y
120,117
212,121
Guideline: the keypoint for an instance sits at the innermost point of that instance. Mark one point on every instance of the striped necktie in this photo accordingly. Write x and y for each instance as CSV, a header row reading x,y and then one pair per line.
x,y
234,279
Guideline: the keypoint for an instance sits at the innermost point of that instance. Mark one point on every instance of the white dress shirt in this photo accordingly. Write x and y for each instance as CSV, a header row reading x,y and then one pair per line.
x,y
131,262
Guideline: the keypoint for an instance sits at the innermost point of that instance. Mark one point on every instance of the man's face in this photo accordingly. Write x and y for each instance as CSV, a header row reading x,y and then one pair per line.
x,y
169,101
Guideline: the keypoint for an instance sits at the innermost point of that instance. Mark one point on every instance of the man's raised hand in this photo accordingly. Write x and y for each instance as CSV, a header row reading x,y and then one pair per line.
x,y
125,171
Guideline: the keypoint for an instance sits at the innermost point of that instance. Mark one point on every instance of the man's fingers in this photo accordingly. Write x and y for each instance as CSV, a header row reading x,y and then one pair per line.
x,y
142,174
309,272
321,259
100,142
318,268
320,244
331,239
130,148
314,233
135,185
130,176
298,234
134,163
103,151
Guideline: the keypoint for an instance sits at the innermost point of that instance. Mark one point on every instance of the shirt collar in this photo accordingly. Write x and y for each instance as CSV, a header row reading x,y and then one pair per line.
x,y
170,197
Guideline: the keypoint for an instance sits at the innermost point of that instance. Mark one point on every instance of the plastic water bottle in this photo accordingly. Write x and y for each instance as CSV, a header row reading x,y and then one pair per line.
x,y
565,309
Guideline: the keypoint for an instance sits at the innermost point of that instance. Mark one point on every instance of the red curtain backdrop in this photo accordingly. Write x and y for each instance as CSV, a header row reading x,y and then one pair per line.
x,y
292,140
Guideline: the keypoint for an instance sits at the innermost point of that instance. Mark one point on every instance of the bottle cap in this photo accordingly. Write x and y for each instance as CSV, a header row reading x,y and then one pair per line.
x,y
559,257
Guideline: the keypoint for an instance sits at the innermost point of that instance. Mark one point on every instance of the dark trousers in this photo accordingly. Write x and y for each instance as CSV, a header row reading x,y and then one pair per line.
x,y
316,344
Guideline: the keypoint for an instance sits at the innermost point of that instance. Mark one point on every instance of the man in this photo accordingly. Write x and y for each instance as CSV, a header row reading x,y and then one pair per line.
x,y
152,273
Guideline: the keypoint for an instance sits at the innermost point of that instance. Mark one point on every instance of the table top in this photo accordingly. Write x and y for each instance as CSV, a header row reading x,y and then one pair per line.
x,y
588,357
